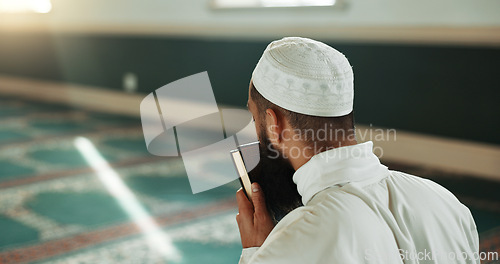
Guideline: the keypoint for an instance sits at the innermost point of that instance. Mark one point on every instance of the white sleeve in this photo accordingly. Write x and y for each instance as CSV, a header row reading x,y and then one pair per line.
x,y
474,237
246,254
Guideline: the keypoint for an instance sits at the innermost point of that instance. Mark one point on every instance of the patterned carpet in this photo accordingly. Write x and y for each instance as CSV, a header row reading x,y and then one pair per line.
x,y
55,209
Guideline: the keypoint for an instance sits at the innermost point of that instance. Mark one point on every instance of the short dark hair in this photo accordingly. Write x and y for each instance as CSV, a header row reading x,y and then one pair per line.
x,y
341,124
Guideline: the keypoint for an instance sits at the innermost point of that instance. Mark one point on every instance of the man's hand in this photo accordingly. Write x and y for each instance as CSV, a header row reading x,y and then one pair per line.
x,y
254,221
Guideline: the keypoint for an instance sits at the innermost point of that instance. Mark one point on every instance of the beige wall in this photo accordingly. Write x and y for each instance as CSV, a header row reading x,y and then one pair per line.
x,y
461,21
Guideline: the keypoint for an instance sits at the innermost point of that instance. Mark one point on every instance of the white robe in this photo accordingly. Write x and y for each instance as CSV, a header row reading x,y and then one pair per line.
x,y
358,211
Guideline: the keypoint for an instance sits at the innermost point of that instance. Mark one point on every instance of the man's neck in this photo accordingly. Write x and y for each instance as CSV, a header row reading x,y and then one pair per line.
x,y
309,152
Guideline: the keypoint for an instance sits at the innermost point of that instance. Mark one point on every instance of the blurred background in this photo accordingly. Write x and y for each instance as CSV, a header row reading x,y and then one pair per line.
x,y
77,184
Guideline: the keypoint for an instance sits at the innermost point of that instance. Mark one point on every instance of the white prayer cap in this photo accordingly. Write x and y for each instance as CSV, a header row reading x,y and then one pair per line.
x,y
305,76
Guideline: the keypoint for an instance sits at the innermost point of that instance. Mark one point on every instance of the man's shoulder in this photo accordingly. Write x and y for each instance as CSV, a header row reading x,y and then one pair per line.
x,y
345,207
425,197
421,186
329,209
326,227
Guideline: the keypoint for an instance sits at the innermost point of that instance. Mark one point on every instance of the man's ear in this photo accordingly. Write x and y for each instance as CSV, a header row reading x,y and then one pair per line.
x,y
274,126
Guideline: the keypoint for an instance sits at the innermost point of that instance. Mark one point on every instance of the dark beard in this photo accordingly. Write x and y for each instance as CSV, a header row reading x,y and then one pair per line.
x,y
274,174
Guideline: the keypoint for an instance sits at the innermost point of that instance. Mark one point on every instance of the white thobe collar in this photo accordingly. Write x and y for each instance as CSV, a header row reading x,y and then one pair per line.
x,y
337,166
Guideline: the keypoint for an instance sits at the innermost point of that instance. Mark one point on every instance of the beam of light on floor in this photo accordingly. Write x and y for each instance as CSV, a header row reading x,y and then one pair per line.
x,y
157,239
